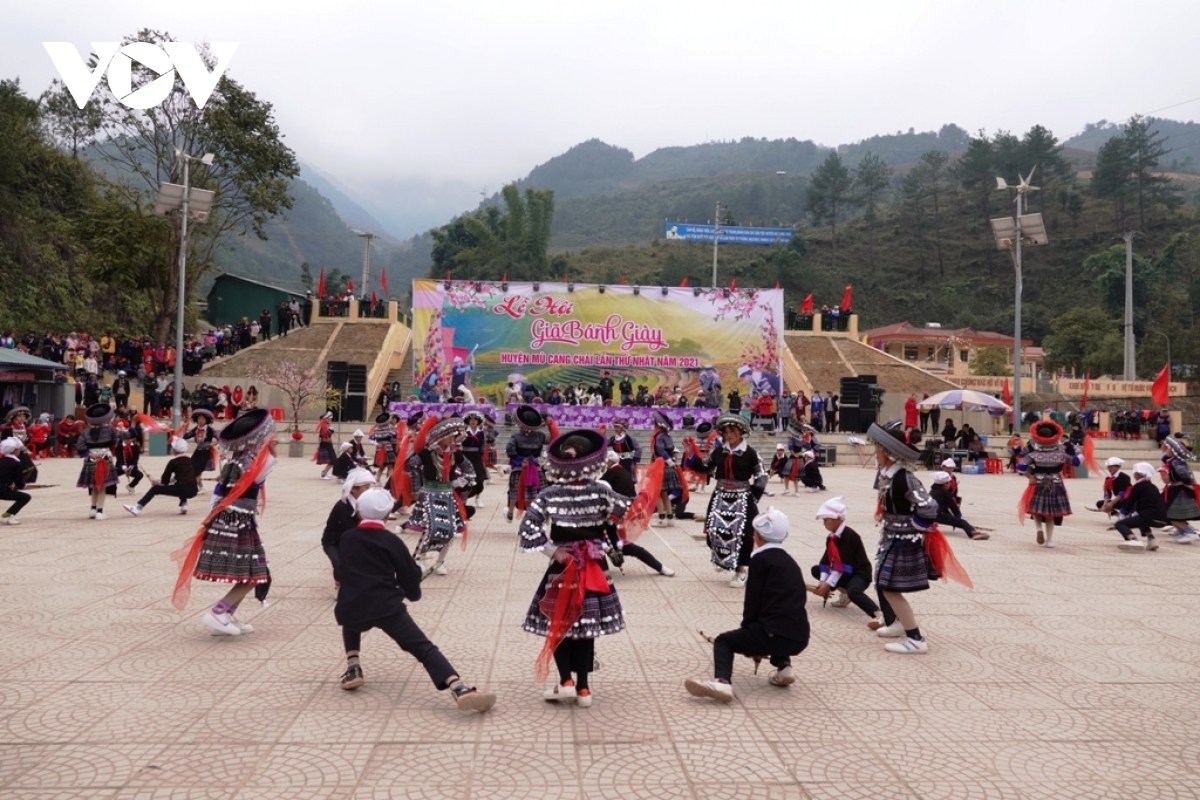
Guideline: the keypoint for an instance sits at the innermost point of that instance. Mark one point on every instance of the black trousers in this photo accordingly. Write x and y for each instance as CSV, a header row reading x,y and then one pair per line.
x,y
575,656
1126,526
20,499
956,522
643,555
856,588
184,493
752,640
335,558
402,630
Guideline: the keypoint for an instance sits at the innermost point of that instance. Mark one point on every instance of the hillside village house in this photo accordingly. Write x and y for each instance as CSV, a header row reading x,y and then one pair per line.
x,y
948,351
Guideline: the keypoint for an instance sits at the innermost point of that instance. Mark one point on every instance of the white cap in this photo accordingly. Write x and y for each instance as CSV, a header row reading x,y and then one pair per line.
x,y
613,457
375,503
949,463
358,432
179,445
833,508
780,446
808,454
772,525
356,477
10,445
344,446
1140,468
940,476
1114,462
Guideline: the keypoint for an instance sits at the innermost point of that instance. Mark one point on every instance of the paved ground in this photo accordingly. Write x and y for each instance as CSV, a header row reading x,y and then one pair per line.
x,y
1065,674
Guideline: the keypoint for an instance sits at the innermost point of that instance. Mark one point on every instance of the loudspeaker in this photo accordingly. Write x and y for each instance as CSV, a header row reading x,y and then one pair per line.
x,y
849,392
866,416
354,407
848,420
356,379
335,375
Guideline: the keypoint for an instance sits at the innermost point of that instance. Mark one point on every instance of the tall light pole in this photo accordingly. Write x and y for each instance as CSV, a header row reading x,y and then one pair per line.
x,y
366,269
1168,338
1130,344
1010,233
716,241
196,204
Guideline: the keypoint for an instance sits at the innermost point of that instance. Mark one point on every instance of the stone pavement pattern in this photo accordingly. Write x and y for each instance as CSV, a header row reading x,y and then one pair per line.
x,y
1065,674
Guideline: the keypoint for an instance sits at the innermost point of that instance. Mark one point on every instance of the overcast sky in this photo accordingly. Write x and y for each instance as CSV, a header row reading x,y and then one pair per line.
x,y
475,94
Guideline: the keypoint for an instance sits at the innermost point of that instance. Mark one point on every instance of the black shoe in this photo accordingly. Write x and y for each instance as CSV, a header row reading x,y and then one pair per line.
x,y
508,515
352,678
468,698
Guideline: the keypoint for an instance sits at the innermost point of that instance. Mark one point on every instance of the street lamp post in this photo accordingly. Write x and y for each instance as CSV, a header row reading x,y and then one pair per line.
x,y
1010,233
1168,338
195,204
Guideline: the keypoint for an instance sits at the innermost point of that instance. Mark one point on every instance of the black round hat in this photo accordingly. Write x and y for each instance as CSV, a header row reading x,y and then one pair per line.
x,y
576,455
249,431
98,414
382,418
529,417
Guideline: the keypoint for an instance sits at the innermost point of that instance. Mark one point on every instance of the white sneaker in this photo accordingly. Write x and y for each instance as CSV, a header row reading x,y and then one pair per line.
x,y
15,521
1187,537
665,571
583,700
133,510
440,569
738,581
722,692
183,509
100,516
244,627
843,600
1132,546
92,514
908,647
892,631
221,624
129,489
324,477
781,677
558,692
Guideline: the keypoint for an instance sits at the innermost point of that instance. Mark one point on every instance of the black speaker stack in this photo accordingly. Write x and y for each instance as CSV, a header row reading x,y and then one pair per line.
x,y
859,404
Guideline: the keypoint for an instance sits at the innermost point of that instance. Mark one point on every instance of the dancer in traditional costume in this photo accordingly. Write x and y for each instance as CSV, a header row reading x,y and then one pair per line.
x,y
949,511
474,447
357,451
447,476
1142,509
1116,486
344,516
378,575
99,474
344,461
1180,490
621,482
695,457
576,601
204,457
810,473
16,424
774,620
178,480
741,480
12,480
525,477
129,451
227,548
1045,500
325,454
625,446
912,551
663,448
385,438
844,567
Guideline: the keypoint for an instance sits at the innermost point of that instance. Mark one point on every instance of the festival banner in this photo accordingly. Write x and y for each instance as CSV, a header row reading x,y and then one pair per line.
x,y
489,335
727,234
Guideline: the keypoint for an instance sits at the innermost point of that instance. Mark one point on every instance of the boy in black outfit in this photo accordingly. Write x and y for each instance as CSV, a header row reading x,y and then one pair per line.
x,y
844,565
12,479
178,480
774,622
377,575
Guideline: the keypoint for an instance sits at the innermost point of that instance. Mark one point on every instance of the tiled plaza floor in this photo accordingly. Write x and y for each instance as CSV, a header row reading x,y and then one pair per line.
x,y
1066,673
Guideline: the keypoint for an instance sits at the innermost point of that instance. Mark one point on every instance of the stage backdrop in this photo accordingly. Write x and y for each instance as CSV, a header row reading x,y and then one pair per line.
x,y
568,334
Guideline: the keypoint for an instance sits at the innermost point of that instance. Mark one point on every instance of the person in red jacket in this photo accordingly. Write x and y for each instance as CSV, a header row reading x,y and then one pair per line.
x,y
39,437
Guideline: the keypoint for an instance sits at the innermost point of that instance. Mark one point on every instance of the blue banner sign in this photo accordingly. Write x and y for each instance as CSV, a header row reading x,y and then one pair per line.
x,y
731,234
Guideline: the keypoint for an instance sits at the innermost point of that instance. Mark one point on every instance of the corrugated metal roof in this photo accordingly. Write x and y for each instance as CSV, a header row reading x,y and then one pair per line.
x,y
15,358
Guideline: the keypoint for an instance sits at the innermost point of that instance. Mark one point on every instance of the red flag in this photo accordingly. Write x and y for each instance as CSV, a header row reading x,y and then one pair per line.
x,y
733,284
622,280
807,306
846,298
1006,393
350,286
374,299
776,284
1087,384
1161,390
683,283
384,282
321,284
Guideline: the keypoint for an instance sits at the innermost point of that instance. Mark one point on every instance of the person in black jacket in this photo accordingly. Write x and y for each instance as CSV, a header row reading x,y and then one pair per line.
x,y
1142,509
949,511
344,516
774,622
810,473
621,482
844,566
378,574
178,480
12,479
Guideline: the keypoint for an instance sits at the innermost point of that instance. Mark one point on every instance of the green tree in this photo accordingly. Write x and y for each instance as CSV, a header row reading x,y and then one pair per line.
x,y
1110,179
1146,150
489,243
872,177
991,361
1084,338
250,171
1043,153
829,195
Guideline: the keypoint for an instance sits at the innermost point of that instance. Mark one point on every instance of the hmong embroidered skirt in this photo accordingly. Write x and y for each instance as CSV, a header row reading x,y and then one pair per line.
x,y
670,480
730,513
385,455
325,454
232,551
531,474
437,517
1181,503
87,475
602,613
901,564
1049,497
